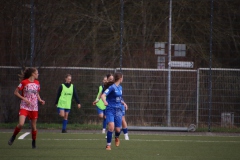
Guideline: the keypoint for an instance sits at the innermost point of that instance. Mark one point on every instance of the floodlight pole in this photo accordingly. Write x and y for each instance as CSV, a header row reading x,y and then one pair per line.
x,y
210,72
169,66
32,33
121,34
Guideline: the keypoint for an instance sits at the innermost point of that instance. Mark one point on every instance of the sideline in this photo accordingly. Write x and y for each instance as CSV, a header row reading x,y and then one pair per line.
x,y
23,135
142,140
166,133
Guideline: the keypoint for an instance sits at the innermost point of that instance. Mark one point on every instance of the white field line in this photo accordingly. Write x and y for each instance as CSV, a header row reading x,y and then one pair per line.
x,y
197,141
24,135
210,135
141,140
140,134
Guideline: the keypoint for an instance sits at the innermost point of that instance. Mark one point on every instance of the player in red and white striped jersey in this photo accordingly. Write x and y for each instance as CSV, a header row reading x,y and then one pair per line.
x,y
28,92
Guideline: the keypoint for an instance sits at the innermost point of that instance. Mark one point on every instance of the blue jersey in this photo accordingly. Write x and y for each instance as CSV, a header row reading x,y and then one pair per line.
x,y
114,96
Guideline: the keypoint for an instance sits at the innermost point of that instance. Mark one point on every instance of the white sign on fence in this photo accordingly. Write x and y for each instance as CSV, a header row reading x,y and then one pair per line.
x,y
181,64
159,48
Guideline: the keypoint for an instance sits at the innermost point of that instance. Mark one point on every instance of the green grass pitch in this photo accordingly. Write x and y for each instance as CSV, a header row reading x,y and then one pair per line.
x,y
91,146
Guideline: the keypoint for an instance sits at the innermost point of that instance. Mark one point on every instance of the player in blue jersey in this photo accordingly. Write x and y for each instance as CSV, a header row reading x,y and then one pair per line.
x,y
110,81
112,98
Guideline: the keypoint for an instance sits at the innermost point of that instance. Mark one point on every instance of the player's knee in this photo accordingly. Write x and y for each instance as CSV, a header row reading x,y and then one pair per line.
x,y
111,127
20,125
34,128
118,129
61,114
65,116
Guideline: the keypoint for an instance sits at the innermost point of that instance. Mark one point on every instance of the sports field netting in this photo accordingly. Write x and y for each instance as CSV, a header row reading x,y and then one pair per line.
x,y
145,92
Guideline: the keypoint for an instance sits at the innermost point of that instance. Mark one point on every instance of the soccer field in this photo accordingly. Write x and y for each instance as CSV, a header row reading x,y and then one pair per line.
x,y
91,146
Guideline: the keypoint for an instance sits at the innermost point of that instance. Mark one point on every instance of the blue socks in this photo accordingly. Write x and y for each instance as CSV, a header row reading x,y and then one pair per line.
x,y
109,136
104,123
125,130
64,124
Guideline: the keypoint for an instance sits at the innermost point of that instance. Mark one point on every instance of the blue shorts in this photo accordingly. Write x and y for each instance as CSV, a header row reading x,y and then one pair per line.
x,y
99,111
65,110
114,115
123,110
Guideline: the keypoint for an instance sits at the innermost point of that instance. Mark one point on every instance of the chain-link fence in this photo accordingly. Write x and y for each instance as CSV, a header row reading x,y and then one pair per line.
x,y
145,92
150,37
